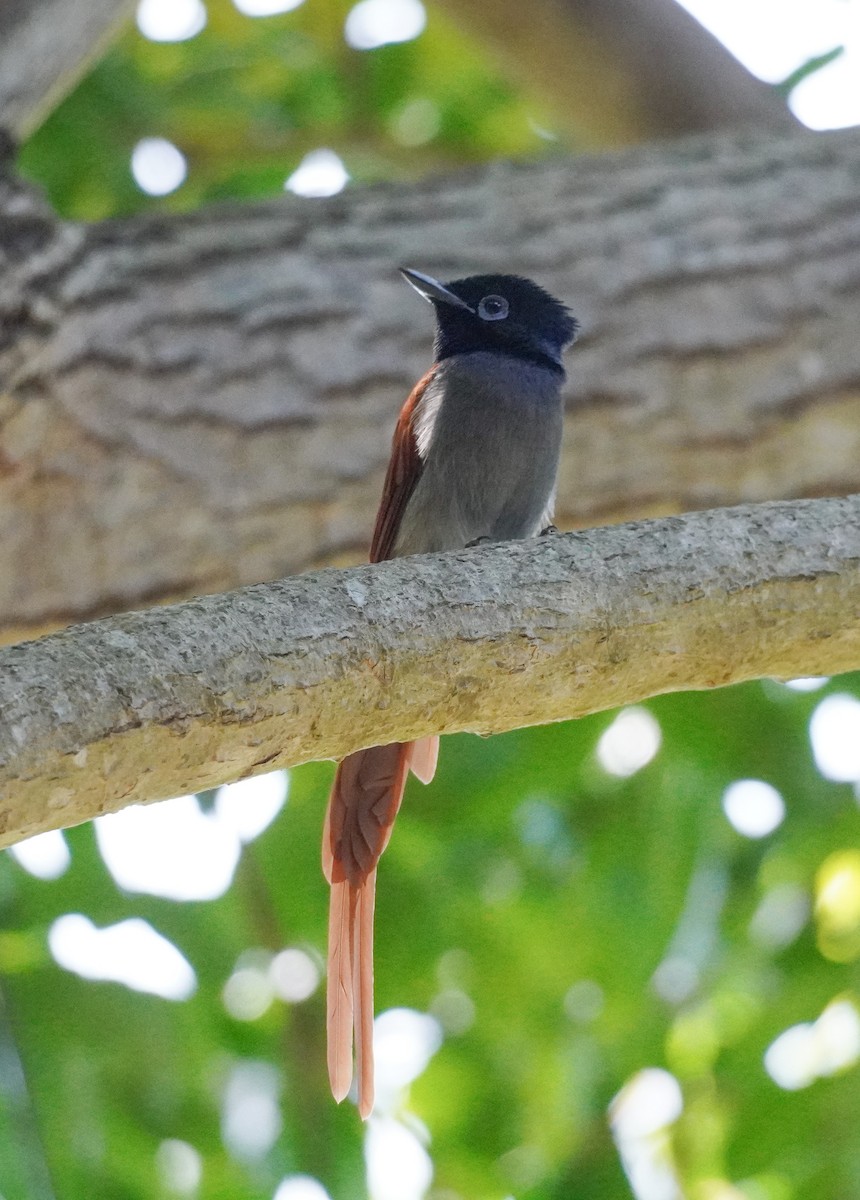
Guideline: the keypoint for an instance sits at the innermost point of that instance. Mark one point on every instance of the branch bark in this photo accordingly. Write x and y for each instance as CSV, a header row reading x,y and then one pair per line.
x,y
188,404
45,47
147,705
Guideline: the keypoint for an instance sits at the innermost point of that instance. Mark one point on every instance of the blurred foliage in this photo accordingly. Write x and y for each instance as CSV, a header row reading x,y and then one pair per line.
x,y
545,890
247,98
526,882
817,63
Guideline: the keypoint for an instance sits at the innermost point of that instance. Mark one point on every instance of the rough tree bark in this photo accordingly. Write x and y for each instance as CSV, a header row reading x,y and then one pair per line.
x,y
188,404
148,705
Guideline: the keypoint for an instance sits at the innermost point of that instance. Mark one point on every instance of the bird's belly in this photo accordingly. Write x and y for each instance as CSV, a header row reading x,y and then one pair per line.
x,y
497,482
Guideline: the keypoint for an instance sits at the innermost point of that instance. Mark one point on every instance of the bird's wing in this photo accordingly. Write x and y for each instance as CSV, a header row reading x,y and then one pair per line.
x,y
404,471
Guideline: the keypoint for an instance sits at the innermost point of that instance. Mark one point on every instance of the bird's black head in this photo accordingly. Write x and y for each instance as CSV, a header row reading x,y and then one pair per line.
x,y
505,313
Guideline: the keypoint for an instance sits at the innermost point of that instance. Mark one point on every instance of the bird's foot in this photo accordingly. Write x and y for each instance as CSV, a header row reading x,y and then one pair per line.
x,y
549,529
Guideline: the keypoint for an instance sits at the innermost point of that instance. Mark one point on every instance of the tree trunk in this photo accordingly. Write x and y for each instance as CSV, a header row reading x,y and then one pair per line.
x,y
614,72
154,704
192,403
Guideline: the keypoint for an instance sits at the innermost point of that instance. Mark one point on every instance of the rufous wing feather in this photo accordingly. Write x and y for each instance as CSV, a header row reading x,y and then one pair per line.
x,y
404,471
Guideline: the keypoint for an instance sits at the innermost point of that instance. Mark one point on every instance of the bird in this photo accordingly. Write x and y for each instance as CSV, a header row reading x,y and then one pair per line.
x,y
474,458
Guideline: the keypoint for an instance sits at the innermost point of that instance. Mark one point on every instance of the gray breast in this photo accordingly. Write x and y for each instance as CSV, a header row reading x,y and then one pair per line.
x,y
489,432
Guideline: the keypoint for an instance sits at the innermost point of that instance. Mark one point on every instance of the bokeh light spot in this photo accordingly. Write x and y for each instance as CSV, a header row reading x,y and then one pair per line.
x,y
251,1115
640,1115
675,978
583,1001
294,974
417,122
170,20
454,1010
648,1102
158,166
398,1166
374,23
834,730
130,952
790,1059
629,743
503,882
808,1052
524,1166
837,1033
180,1167
320,173
753,807
248,993
300,1187
46,855
266,8
249,806
780,916
404,1041
807,683
170,849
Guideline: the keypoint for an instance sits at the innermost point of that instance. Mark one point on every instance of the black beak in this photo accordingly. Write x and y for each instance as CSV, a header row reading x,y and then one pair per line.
x,y
431,289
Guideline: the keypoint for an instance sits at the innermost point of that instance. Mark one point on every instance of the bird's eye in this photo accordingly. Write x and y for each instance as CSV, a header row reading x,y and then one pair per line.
x,y
493,308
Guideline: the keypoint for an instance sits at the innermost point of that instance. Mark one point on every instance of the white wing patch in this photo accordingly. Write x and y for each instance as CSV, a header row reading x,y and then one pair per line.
x,y
426,412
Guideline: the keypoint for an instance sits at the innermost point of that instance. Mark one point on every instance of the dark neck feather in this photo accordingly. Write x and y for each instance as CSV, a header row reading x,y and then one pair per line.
x,y
446,346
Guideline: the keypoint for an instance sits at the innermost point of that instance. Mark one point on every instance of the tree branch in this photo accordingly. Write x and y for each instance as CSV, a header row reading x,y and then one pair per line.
x,y
619,71
147,705
45,46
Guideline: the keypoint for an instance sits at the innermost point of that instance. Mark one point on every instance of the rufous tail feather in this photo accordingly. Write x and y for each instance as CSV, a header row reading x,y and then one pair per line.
x,y
423,758
339,997
363,993
365,797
